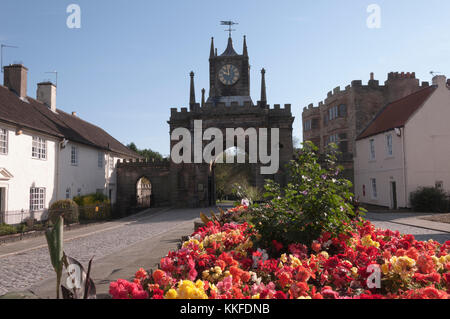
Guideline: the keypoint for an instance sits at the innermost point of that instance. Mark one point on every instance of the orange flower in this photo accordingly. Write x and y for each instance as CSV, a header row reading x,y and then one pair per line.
x,y
425,264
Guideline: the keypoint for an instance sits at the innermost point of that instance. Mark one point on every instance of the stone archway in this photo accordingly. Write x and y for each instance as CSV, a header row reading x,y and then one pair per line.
x,y
143,193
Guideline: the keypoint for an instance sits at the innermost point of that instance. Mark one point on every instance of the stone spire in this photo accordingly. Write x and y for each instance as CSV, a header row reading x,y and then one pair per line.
x,y
192,92
244,51
211,53
203,97
263,87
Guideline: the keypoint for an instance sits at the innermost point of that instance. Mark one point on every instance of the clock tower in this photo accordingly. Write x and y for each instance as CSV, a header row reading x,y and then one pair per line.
x,y
229,75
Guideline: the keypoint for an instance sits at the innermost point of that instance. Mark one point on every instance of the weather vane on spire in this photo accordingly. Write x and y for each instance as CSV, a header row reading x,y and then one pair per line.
x,y
229,24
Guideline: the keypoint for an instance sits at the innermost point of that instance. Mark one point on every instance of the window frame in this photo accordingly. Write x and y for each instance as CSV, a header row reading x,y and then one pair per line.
x,y
4,138
372,153
39,148
373,188
37,199
389,151
100,160
76,157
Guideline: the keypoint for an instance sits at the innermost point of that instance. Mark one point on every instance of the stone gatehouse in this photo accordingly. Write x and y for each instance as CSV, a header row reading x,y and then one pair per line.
x,y
229,105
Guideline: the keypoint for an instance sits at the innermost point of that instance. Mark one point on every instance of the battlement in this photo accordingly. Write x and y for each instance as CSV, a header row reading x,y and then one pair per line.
x,y
401,75
165,163
393,79
234,108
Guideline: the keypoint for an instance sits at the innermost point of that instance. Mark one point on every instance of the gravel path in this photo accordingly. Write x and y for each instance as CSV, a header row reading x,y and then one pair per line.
x,y
21,271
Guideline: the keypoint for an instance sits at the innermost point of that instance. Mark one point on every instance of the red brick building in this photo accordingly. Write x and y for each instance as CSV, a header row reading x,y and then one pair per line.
x,y
344,114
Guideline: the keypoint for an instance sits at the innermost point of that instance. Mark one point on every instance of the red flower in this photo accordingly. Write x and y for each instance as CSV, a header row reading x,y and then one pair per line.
x,y
278,246
280,295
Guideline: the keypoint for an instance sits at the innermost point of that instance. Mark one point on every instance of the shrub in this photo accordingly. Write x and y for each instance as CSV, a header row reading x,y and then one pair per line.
x,y
316,200
429,199
66,208
7,230
94,206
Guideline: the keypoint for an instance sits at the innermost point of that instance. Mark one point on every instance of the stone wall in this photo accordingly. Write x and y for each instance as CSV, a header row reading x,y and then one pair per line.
x,y
129,173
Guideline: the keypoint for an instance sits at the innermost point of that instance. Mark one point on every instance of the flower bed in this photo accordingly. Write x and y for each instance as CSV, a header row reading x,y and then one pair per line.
x,y
221,262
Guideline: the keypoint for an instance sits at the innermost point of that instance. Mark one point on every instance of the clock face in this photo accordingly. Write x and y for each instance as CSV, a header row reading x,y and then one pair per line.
x,y
229,74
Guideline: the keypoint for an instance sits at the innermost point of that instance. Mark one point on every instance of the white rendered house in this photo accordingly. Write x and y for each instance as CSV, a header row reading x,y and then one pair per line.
x,y
47,154
406,146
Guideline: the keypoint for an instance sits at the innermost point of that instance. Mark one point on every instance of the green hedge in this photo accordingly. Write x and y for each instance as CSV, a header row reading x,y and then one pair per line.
x,y
66,208
7,230
429,199
94,207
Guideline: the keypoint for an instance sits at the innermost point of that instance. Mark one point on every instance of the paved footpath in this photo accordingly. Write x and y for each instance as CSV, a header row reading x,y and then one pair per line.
x,y
411,223
115,245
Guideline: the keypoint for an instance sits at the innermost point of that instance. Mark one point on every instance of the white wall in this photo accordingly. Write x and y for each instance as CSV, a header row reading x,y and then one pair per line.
x,y
427,142
384,168
27,172
86,177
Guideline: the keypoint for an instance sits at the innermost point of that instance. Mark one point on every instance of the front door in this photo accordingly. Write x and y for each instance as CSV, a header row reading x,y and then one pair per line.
x,y
394,195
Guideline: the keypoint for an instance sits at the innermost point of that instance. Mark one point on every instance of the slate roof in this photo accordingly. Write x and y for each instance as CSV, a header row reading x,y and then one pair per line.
x,y
35,115
229,51
397,113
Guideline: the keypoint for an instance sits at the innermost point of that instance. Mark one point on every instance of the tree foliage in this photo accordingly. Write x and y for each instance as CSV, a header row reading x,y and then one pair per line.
x,y
316,200
146,153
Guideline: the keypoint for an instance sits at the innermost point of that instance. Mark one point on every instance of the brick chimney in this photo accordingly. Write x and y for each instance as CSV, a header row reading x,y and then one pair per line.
x,y
15,79
46,93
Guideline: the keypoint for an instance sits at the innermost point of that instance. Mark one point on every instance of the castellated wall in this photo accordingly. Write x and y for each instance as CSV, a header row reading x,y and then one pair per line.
x,y
362,104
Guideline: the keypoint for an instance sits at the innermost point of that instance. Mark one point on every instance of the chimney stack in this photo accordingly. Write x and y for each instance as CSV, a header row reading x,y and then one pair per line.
x,y
46,93
440,80
15,79
372,76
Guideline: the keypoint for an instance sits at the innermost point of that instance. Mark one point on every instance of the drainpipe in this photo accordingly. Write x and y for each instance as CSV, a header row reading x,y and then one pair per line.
x,y
404,167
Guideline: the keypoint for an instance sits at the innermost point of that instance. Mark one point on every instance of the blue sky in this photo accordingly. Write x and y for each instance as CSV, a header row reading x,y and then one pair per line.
x,y
130,61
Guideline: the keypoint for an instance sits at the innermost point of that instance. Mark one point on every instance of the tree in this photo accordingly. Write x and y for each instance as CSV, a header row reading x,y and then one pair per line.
x,y
146,153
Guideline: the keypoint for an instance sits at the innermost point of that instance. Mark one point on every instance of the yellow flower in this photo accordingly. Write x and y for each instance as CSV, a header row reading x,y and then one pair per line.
x,y
325,254
171,294
385,268
302,297
199,284
368,242
295,262
283,258
354,271
255,296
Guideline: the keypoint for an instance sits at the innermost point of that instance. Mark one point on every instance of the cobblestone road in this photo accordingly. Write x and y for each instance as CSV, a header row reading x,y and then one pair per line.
x,y
21,271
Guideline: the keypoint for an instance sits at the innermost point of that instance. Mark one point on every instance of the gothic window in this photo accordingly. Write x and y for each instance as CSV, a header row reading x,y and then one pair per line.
x,y
342,110
307,125
314,123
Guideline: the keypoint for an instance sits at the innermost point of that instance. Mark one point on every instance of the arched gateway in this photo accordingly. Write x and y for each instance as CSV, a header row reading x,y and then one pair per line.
x,y
229,106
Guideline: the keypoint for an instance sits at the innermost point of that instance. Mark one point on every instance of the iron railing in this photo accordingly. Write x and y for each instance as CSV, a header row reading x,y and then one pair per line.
x,y
19,216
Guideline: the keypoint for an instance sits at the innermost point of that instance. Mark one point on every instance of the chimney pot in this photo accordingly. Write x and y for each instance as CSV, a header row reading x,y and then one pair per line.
x,y
74,113
371,76
15,79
